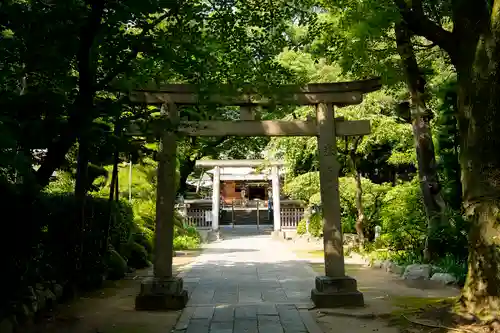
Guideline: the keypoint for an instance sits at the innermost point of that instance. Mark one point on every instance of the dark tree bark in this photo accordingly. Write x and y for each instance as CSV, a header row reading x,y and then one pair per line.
x,y
474,48
84,106
419,117
112,189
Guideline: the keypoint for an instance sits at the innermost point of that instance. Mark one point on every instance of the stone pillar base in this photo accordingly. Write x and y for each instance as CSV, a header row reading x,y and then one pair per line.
x,y
336,292
161,294
278,234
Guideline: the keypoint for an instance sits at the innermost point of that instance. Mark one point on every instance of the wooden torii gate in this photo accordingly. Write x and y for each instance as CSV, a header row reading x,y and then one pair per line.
x,y
163,290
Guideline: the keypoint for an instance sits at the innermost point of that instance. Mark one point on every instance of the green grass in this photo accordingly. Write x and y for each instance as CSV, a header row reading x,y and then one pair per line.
x,y
306,254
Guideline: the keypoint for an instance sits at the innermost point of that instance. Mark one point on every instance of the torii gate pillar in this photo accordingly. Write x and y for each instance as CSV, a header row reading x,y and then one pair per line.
x,y
335,289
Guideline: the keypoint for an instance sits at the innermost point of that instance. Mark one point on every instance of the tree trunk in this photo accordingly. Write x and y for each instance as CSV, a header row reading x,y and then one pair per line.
x,y
81,187
117,189
420,121
474,48
81,112
186,168
352,158
112,186
360,220
479,126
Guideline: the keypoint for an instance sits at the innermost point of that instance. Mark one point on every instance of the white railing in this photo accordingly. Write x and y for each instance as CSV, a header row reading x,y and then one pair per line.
x,y
290,217
197,213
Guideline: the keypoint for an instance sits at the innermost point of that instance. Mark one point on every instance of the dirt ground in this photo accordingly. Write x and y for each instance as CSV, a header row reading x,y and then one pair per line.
x,y
111,309
393,305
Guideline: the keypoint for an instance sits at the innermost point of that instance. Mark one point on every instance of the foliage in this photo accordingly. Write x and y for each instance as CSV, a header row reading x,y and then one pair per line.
x,y
316,225
186,242
137,255
306,187
55,250
302,187
302,227
403,217
116,264
373,194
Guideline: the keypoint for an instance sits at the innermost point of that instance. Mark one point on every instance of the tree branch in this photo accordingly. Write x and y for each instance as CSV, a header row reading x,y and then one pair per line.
x,y
122,66
421,25
83,106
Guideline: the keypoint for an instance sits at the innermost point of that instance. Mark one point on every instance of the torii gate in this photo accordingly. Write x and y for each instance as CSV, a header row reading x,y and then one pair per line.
x,y
164,291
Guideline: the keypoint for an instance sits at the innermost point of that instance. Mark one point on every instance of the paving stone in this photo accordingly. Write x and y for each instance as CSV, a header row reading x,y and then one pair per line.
x,y
203,312
250,296
198,326
309,322
268,320
271,329
221,327
223,314
267,309
185,317
246,312
245,326
247,285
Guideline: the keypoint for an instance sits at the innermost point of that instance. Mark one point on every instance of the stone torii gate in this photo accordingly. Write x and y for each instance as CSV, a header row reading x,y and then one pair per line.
x,y
163,290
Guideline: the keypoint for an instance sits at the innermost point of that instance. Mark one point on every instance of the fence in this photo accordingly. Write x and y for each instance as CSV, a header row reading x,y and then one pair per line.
x,y
290,217
198,213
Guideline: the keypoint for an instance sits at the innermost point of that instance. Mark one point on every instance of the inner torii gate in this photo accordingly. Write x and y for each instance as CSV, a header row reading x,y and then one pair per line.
x,y
163,290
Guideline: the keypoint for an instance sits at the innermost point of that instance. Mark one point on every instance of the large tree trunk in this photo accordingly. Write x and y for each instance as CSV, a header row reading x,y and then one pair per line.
x,y
420,121
474,48
479,125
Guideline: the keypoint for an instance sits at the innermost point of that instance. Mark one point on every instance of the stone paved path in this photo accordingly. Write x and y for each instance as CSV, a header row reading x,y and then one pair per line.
x,y
248,283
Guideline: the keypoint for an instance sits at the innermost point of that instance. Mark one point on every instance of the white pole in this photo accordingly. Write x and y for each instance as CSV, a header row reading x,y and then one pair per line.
x,y
276,198
216,198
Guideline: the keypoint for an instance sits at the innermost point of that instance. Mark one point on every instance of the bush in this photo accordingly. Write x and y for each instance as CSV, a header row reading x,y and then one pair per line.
x,y
186,242
306,187
116,264
373,195
316,225
144,237
302,187
403,217
301,227
137,256
455,266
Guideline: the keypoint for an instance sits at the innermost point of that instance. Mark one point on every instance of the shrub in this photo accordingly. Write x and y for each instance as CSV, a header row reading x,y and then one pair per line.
x,y
137,256
306,187
185,242
315,199
455,266
192,232
372,198
144,237
302,187
403,217
301,227
116,264
316,225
